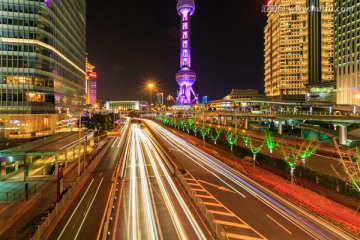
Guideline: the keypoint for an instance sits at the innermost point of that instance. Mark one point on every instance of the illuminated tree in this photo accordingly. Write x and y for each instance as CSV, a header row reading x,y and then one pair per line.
x,y
204,131
245,138
308,151
350,162
183,124
293,154
191,122
255,150
231,137
195,129
269,140
214,135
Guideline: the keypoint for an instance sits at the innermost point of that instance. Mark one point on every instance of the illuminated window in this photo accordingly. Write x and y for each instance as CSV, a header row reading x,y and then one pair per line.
x,y
185,35
185,26
185,44
185,53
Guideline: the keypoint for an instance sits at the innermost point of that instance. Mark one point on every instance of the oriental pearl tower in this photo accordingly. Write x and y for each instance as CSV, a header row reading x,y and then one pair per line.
x,y
185,77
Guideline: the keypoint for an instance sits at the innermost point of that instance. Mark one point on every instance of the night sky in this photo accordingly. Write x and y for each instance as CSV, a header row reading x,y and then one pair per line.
x,y
132,42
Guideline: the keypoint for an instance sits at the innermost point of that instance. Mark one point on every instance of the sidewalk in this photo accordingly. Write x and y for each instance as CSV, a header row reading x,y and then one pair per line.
x,y
19,220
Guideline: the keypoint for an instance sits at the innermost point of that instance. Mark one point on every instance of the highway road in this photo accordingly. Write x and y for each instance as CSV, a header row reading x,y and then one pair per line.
x,y
245,209
150,205
84,217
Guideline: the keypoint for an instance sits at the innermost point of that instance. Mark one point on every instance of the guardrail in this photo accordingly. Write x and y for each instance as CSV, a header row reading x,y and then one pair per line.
x,y
18,196
52,215
209,217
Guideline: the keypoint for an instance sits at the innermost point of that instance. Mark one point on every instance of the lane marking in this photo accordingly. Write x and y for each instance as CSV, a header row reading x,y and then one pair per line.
x,y
279,224
232,224
87,212
204,196
72,215
222,213
213,204
217,186
237,236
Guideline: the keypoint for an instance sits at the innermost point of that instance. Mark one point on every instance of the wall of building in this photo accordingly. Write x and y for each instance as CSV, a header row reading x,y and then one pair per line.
x,y
347,52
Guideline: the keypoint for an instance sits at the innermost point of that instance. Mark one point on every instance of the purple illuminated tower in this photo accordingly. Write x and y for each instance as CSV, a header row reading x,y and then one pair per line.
x,y
185,77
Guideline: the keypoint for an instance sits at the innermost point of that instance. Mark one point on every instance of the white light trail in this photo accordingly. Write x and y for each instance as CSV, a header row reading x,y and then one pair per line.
x,y
150,145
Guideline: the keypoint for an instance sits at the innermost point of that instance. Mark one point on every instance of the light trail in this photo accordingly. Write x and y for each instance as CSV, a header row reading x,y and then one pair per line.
x,y
213,165
150,146
141,153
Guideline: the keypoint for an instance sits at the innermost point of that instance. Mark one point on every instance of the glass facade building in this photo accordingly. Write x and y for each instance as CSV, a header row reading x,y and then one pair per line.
x,y
347,51
42,63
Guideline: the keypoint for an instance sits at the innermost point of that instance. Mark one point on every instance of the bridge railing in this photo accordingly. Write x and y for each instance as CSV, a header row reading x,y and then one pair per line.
x,y
209,217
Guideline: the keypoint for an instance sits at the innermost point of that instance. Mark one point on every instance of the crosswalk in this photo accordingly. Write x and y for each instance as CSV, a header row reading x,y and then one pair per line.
x,y
233,226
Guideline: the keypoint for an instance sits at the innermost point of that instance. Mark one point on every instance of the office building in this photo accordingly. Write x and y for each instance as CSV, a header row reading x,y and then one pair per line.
x,y
299,49
42,64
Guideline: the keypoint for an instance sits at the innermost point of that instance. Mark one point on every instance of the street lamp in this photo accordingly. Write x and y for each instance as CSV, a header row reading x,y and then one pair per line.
x,y
79,168
150,85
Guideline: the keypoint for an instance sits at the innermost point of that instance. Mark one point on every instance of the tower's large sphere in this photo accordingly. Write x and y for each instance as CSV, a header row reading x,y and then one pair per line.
x,y
186,76
186,5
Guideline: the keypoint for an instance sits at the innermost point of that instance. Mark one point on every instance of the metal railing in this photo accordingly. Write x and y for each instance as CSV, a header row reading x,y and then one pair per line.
x,y
20,196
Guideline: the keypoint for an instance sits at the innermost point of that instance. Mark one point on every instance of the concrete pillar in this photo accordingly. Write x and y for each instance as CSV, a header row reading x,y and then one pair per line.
x,y
27,162
246,123
342,134
311,110
280,128
84,153
56,164
2,171
16,165
66,159
92,142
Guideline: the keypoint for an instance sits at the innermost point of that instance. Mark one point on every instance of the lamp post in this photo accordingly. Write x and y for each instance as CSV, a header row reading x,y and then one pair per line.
x,y
79,157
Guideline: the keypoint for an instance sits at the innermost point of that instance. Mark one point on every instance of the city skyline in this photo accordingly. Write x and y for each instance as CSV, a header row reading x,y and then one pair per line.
x,y
224,56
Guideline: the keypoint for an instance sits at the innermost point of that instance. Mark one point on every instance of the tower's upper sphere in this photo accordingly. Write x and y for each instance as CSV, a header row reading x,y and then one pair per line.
x,y
186,5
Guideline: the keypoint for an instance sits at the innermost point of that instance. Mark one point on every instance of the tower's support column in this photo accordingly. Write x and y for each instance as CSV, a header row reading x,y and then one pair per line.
x,y
342,134
246,123
2,171
280,127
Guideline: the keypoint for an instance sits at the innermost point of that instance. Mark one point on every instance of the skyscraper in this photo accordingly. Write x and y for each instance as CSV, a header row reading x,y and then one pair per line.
x,y
347,52
299,49
185,77
42,63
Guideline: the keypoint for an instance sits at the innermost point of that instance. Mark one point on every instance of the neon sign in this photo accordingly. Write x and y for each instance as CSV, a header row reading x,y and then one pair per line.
x,y
92,74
